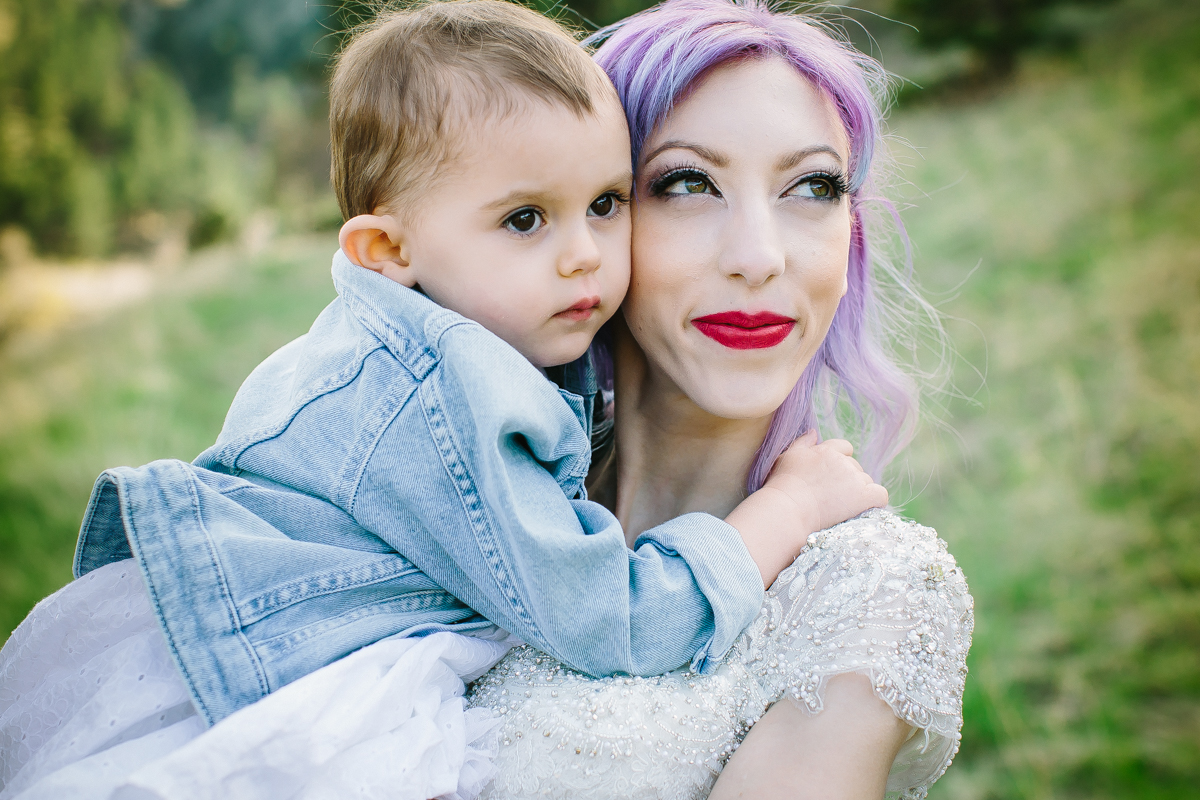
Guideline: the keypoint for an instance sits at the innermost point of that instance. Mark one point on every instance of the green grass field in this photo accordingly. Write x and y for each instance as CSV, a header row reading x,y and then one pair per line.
x,y
150,381
1069,489
1056,222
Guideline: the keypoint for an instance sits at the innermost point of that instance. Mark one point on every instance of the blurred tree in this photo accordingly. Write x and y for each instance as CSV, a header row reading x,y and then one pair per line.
x,y
207,43
995,31
121,120
88,134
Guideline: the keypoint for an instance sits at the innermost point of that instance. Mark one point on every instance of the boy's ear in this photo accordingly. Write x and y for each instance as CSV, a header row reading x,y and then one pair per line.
x,y
377,243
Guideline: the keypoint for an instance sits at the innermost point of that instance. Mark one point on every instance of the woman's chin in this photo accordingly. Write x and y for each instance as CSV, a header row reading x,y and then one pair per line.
x,y
740,399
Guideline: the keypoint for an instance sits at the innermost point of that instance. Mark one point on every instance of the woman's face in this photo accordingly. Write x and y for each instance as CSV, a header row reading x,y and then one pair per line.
x,y
740,238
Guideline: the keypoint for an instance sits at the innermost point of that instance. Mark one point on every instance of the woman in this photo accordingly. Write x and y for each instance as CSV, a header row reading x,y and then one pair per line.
x,y
748,205
752,136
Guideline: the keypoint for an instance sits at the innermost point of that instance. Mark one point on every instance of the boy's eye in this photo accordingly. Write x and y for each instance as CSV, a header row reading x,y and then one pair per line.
x,y
604,206
524,220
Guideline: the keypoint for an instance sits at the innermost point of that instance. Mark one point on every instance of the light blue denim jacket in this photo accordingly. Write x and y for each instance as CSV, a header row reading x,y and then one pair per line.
x,y
399,469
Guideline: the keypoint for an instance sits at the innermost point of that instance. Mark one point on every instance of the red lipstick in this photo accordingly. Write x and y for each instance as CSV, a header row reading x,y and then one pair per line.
x,y
741,330
581,310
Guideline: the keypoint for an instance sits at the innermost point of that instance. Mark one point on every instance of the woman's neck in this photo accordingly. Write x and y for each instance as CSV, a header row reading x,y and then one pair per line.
x,y
672,456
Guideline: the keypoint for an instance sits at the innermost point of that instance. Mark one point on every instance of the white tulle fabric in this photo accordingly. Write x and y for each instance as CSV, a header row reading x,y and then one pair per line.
x,y
92,706
876,595
88,691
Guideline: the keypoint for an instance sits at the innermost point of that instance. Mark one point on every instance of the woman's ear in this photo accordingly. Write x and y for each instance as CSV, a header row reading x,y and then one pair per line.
x,y
377,243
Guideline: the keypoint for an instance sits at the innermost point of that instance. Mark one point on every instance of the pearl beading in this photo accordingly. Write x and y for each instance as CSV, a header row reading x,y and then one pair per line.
x,y
876,595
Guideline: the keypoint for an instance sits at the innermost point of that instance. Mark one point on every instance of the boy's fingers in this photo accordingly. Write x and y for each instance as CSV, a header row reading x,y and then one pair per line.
x,y
840,446
801,443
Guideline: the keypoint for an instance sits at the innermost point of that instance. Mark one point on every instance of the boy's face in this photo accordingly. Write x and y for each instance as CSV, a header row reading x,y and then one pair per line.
x,y
529,232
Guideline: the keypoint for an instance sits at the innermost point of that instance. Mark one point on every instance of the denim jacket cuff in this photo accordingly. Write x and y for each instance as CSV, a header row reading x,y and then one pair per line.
x,y
160,510
723,569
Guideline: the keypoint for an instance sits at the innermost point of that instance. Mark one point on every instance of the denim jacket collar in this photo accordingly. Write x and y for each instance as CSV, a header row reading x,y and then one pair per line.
x,y
409,324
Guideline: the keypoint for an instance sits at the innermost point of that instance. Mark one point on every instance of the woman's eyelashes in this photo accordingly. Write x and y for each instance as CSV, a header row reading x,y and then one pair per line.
x,y
683,181
819,186
680,181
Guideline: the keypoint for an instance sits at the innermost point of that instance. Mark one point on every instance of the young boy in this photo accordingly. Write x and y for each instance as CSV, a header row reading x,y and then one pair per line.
x,y
407,466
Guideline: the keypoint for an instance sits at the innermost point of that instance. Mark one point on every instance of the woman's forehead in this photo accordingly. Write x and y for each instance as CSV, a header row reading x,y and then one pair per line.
x,y
761,105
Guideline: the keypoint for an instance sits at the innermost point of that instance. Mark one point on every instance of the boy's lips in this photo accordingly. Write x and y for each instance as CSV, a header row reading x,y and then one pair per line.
x,y
581,311
744,330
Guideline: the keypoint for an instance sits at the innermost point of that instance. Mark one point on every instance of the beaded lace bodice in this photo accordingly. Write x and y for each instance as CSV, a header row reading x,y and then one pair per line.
x,y
877,595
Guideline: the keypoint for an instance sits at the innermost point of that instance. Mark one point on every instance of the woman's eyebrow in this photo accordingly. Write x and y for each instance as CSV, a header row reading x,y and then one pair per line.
x,y
792,160
711,156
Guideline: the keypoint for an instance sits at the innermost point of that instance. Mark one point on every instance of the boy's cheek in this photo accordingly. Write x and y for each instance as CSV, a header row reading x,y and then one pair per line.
x,y
615,268
615,280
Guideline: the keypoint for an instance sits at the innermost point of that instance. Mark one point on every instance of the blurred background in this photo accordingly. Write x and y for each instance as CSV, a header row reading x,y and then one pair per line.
x,y
166,222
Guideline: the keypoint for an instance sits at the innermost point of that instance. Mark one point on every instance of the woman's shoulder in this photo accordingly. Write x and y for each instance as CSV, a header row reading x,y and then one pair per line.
x,y
882,524
883,538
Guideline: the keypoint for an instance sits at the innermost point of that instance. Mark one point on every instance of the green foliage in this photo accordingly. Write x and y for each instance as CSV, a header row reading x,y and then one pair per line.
x,y
995,31
87,135
99,127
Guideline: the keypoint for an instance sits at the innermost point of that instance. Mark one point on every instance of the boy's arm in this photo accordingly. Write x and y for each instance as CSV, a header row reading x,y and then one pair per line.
x,y
476,505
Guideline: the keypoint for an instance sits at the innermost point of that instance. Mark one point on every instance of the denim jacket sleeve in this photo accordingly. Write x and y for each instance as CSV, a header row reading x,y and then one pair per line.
x,y
513,545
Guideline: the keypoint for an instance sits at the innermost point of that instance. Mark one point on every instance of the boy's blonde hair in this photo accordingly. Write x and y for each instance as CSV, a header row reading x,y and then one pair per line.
x,y
408,84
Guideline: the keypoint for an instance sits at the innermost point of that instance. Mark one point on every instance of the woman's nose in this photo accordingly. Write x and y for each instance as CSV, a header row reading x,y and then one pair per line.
x,y
751,249
581,254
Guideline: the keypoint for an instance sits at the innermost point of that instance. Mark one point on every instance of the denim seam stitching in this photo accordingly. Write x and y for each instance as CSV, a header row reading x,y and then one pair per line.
x,y
350,481
411,602
439,323
425,358
230,453
223,583
267,608
477,515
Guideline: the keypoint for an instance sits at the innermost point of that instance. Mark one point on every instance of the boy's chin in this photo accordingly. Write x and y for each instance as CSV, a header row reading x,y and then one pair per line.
x,y
558,356
560,348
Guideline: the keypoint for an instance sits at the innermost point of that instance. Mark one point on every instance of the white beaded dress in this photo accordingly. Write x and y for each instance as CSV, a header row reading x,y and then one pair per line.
x,y
877,595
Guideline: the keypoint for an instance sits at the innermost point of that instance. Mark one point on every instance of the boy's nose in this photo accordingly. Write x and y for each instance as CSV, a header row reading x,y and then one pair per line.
x,y
580,255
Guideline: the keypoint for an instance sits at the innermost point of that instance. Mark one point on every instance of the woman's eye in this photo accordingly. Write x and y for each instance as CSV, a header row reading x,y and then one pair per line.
x,y
604,206
817,188
688,184
525,220
683,181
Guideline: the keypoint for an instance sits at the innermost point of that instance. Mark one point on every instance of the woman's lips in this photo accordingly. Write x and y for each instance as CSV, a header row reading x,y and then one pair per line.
x,y
741,330
581,311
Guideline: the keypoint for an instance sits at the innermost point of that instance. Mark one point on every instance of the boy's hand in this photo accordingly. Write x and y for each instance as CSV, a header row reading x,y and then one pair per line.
x,y
811,487
827,485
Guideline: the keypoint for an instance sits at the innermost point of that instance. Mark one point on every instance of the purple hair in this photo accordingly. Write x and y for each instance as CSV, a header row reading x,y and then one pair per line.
x,y
654,58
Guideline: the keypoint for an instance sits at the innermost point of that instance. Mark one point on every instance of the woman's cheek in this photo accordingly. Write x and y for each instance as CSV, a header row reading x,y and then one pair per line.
x,y
660,267
828,268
